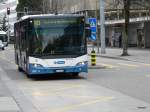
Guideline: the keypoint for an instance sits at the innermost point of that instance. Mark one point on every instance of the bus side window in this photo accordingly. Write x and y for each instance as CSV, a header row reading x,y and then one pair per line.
x,y
22,37
25,38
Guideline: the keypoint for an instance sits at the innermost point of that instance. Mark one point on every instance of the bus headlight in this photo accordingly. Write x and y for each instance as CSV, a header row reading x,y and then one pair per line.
x,y
36,65
1,45
82,63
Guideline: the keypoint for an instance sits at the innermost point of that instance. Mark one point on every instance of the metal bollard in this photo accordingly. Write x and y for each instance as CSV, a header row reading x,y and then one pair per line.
x,y
93,58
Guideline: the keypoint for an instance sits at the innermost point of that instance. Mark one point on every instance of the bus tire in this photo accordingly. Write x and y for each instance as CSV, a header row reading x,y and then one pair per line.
x,y
29,76
20,69
76,74
3,48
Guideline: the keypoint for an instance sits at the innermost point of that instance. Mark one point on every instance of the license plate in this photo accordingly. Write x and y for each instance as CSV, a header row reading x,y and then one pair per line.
x,y
59,71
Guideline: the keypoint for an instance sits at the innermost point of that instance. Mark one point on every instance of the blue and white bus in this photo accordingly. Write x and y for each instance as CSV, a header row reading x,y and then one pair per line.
x,y
46,44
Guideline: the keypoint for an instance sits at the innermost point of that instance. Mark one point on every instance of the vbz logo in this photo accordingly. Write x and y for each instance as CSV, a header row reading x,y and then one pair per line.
x,y
59,62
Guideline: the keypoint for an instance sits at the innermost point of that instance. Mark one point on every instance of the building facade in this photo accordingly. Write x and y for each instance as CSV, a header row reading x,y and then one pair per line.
x,y
114,16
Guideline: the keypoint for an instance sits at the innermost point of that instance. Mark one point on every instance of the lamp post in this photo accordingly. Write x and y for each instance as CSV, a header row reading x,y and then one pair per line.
x,y
8,13
98,38
8,30
102,27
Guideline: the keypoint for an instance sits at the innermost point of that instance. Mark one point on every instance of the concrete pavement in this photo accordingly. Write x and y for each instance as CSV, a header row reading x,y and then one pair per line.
x,y
135,54
16,101
7,102
67,94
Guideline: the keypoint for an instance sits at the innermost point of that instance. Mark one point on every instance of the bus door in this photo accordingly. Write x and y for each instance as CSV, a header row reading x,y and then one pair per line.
x,y
22,47
17,43
25,53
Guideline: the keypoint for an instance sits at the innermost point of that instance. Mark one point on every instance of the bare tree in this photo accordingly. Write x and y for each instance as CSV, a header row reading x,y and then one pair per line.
x,y
140,4
3,23
45,6
57,5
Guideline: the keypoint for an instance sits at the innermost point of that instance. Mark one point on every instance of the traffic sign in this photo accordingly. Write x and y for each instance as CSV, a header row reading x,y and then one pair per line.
x,y
92,22
93,36
93,27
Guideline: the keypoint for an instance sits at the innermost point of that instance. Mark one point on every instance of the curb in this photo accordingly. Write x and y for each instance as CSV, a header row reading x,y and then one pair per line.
x,y
119,58
96,67
111,57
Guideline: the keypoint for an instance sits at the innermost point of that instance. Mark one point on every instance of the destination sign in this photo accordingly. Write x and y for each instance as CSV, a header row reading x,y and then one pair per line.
x,y
44,22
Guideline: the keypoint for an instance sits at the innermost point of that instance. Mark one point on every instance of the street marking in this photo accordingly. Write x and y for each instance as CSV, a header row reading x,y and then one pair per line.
x,y
146,64
83,97
69,87
52,84
148,75
75,106
55,92
108,65
37,94
128,65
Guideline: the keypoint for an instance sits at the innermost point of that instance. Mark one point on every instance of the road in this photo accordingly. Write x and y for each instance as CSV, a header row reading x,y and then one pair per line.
x,y
119,86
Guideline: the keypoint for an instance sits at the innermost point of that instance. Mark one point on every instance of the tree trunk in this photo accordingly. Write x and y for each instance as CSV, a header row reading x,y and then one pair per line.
x,y
55,6
126,27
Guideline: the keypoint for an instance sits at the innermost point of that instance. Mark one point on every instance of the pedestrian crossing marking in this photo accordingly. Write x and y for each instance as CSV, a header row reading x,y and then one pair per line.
x,y
128,65
108,65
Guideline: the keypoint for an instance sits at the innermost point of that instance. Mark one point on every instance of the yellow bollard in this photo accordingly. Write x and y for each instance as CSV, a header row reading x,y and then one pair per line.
x,y
93,58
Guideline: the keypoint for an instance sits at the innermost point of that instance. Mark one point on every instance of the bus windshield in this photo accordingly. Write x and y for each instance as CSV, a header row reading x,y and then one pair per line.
x,y
58,37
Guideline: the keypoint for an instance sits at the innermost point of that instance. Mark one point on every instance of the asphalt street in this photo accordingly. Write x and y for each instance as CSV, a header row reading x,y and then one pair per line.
x,y
119,86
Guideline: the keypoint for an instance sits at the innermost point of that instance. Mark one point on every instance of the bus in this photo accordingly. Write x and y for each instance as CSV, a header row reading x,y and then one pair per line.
x,y
48,44
4,38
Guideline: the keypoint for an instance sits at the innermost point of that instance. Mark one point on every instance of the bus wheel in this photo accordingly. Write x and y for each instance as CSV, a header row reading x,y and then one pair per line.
x,y
3,48
75,74
29,76
20,69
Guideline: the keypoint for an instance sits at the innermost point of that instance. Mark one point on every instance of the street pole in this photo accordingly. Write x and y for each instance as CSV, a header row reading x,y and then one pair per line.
x,y
43,6
102,27
98,39
8,30
56,6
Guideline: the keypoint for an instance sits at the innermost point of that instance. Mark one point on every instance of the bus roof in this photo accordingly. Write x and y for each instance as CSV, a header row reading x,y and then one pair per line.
x,y
3,32
48,15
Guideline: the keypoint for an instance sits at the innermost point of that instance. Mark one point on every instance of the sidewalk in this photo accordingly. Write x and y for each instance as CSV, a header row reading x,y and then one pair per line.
x,y
135,54
7,102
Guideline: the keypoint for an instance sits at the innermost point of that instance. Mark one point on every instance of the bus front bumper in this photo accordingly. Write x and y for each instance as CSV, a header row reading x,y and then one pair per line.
x,y
47,70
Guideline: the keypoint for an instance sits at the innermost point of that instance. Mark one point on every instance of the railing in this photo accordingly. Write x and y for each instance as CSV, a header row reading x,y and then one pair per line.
x,y
132,20
118,14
